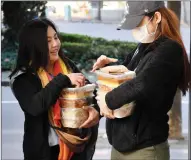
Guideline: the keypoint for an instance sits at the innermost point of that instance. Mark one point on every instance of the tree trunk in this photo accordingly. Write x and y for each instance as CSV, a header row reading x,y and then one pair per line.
x,y
175,114
185,12
99,10
176,7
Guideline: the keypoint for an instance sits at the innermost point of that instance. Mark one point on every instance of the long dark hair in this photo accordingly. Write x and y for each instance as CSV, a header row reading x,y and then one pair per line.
x,y
33,46
169,27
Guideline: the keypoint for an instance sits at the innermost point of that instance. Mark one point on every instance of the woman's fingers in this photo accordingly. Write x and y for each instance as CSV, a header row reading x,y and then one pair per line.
x,y
95,64
81,82
77,79
113,59
77,84
94,68
111,116
101,61
108,115
93,118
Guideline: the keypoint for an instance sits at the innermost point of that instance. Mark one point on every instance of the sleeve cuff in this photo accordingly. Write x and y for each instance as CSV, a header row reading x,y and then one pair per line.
x,y
63,80
110,101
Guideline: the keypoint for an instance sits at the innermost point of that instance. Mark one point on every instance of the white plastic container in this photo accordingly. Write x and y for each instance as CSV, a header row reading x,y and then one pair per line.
x,y
73,117
73,101
81,92
124,111
122,76
107,82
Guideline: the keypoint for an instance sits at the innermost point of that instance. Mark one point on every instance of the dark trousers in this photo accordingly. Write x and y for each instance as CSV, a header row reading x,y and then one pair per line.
x,y
54,150
86,155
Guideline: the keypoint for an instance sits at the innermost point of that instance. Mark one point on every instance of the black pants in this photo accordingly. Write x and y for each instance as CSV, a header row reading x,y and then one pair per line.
x,y
54,152
77,156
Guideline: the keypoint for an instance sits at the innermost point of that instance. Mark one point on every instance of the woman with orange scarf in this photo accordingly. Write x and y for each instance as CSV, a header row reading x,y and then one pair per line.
x,y
41,73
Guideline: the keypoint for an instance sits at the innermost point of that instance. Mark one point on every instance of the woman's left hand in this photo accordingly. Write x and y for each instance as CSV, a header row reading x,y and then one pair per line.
x,y
104,110
93,118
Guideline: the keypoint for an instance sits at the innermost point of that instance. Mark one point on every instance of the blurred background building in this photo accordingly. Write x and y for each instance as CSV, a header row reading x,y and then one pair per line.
x,y
94,10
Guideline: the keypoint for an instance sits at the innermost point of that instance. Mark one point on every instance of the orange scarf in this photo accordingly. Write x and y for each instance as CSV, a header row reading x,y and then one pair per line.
x,y
59,67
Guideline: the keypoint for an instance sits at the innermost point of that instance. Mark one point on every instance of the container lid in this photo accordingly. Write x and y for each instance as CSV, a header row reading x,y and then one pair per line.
x,y
128,74
86,88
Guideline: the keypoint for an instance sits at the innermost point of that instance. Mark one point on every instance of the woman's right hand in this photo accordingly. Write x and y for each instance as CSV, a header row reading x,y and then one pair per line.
x,y
77,79
102,61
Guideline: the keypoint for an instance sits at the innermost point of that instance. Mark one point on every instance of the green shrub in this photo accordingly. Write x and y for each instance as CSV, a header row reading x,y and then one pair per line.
x,y
85,55
75,49
83,50
8,60
75,38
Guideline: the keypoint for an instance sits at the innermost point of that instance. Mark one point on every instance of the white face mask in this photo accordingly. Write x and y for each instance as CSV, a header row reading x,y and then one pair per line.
x,y
141,34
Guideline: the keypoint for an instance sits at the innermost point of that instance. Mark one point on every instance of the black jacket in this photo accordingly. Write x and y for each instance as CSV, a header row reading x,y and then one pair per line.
x,y
159,70
35,102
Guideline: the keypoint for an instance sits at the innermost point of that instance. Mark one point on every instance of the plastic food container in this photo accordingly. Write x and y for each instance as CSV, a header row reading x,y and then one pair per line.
x,y
107,82
72,100
124,111
73,117
115,77
75,103
81,92
105,87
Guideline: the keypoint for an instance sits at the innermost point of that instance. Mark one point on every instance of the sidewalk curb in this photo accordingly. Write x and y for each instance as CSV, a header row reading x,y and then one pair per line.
x,y
5,83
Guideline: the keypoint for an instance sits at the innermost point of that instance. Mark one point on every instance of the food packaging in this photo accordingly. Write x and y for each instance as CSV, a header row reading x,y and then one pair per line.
x,y
116,77
107,81
115,69
73,101
73,117
124,111
81,92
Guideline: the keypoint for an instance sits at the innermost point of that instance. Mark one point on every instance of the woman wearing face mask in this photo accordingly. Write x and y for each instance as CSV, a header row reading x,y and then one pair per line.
x,y
42,72
161,65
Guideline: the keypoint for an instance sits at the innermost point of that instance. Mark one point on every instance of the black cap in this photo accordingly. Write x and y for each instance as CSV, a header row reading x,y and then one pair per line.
x,y
135,12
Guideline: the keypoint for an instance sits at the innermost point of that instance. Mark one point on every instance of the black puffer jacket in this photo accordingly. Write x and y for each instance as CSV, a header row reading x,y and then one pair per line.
x,y
159,70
